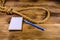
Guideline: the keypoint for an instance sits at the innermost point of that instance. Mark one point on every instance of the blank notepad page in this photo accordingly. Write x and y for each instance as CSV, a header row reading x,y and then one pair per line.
x,y
16,23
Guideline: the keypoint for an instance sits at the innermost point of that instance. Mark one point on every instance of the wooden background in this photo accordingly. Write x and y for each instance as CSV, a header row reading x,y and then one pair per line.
x,y
52,26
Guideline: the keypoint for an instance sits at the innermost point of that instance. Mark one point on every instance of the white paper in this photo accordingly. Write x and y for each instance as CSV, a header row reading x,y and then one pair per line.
x,y
16,23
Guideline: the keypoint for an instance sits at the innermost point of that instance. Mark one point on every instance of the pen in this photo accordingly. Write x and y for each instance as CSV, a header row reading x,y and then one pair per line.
x,y
39,27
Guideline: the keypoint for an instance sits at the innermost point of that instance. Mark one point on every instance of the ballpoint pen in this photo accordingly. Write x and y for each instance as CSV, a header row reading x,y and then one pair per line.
x,y
39,27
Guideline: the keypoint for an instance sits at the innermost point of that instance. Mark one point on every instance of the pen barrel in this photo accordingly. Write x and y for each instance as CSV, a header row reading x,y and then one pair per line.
x,y
39,27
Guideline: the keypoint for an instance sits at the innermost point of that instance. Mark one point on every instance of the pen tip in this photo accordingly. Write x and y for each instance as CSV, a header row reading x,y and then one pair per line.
x,y
43,29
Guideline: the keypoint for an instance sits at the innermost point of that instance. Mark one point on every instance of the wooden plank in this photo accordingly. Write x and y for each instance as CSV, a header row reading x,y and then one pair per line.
x,y
29,32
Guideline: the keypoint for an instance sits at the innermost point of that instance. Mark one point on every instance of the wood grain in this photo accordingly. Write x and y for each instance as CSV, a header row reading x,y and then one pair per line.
x,y
29,32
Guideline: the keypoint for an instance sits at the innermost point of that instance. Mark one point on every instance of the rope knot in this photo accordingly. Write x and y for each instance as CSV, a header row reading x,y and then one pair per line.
x,y
9,11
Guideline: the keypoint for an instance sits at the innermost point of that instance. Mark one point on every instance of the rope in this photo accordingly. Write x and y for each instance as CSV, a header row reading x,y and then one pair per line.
x,y
11,11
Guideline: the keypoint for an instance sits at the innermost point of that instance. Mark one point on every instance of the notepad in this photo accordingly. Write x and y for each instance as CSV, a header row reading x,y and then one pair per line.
x,y
16,23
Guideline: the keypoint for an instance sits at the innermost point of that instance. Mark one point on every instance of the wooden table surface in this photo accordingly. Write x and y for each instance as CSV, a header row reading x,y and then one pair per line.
x,y
29,32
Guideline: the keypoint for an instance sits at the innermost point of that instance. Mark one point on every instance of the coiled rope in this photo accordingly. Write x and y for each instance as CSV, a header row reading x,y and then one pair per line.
x,y
11,11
